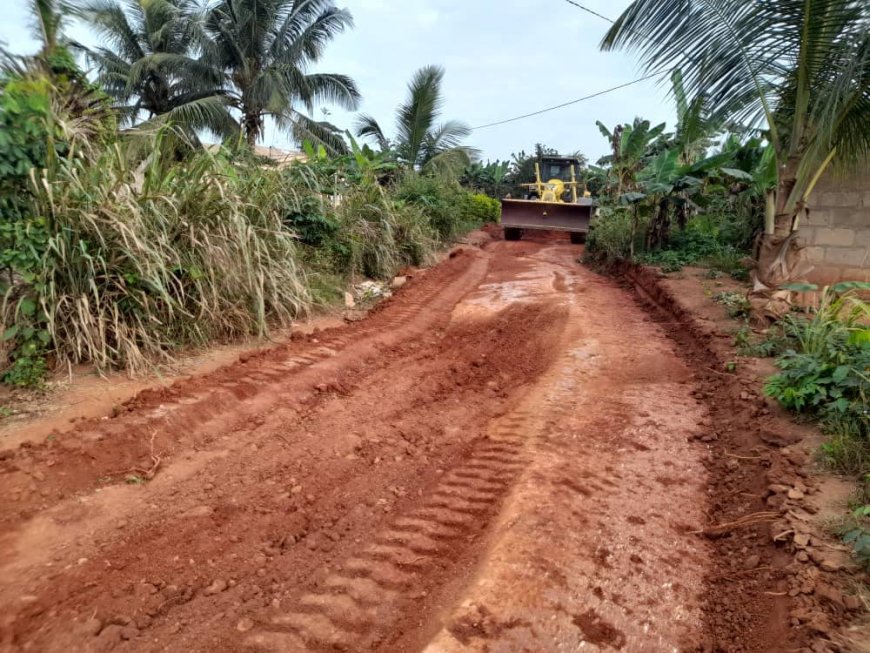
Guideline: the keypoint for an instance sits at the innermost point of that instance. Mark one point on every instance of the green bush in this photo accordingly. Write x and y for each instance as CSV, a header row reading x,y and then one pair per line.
x,y
610,236
826,375
311,221
702,242
440,200
478,209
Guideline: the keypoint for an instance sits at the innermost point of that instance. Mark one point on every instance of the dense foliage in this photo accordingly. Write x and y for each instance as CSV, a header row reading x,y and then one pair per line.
x,y
797,71
118,247
825,373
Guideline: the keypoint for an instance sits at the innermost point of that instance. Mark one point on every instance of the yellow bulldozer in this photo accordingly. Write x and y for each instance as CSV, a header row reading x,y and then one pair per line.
x,y
552,205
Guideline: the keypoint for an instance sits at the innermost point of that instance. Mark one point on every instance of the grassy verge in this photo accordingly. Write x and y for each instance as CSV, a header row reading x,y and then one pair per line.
x,y
131,257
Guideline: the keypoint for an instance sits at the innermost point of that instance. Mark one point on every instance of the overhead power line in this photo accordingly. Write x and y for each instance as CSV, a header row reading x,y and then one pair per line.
x,y
569,103
589,11
609,20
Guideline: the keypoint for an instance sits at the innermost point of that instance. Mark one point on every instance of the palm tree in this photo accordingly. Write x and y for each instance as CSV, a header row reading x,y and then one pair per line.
x,y
265,50
420,141
48,18
801,68
146,65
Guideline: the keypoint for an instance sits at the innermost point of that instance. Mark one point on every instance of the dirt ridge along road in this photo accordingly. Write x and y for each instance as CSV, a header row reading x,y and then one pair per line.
x,y
496,460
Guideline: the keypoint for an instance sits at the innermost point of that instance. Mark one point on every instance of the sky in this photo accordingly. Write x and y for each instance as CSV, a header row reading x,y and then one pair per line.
x,y
503,58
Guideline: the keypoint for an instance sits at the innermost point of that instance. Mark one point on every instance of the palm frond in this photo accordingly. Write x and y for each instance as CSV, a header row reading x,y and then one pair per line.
x,y
367,127
332,88
208,113
450,162
304,128
714,42
417,116
109,20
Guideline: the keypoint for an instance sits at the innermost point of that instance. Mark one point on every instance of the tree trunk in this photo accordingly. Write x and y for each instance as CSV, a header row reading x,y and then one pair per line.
x,y
779,254
253,126
779,258
633,231
682,214
659,228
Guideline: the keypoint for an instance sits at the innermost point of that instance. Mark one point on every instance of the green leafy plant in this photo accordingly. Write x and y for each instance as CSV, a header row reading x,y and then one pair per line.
x,y
736,304
612,234
825,374
478,209
703,242
857,533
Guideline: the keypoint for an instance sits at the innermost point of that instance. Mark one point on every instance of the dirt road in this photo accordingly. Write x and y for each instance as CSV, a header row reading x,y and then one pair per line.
x,y
503,457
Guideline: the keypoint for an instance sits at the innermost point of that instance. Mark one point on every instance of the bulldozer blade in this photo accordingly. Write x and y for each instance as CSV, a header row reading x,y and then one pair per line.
x,y
556,216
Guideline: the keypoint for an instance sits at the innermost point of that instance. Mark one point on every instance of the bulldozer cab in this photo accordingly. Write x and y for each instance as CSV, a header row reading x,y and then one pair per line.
x,y
558,168
555,168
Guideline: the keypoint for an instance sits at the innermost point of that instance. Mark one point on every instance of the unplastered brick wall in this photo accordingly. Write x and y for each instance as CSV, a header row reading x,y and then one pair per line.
x,y
837,231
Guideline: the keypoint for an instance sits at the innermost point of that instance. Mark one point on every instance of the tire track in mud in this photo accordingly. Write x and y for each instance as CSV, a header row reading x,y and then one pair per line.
x,y
421,387
190,411
370,590
367,601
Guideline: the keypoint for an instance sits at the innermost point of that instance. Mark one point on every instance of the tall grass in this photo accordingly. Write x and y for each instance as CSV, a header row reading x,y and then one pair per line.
x,y
837,319
140,261
145,243
379,234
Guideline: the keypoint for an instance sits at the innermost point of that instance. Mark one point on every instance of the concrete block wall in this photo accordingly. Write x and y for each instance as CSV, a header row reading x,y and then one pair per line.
x,y
837,231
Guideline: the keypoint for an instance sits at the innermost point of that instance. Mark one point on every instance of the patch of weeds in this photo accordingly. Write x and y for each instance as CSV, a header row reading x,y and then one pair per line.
x,y
326,289
134,479
727,260
736,304
26,373
774,343
5,411
845,452
669,260
824,375
856,532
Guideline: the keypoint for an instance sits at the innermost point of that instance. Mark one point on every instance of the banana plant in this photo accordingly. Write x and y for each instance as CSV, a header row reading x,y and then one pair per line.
x,y
799,68
679,187
630,145
490,178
